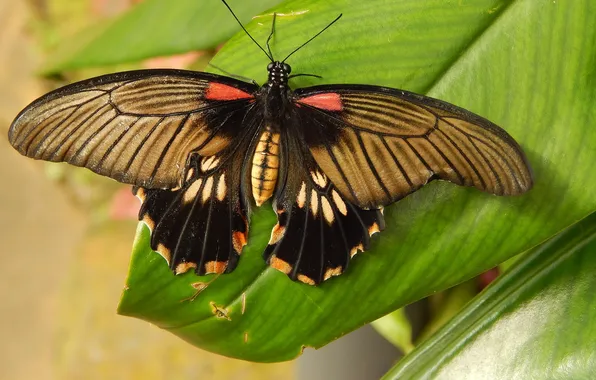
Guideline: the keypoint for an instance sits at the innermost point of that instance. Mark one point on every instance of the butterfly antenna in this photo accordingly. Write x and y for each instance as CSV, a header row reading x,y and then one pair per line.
x,y
271,36
246,31
244,79
313,37
305,75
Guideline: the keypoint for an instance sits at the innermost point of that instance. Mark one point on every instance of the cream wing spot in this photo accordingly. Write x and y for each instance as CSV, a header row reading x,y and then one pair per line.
x,y
319,178
207,189
190,174
314,203
355,250
209,163
330,272
221,188
305,279
184,267
276,234
341,205
140,194
191,193
327,210
149,222
164,252
301,199
373,229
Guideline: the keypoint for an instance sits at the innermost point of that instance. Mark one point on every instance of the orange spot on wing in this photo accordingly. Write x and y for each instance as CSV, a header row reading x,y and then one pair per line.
x,y
218,91
329,101
305,279
239,241
184,266
215,266
280,265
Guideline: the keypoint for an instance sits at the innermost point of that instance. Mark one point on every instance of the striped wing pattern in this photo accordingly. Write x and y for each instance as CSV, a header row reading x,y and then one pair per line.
x,y
384,144
136,127
317,231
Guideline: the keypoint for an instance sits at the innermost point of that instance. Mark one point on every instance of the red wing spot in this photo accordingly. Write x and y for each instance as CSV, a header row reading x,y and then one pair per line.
x,y
329,101
218,91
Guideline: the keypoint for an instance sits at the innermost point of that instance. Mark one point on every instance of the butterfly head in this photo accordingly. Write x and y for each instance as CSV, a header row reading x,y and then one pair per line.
x,y
278,74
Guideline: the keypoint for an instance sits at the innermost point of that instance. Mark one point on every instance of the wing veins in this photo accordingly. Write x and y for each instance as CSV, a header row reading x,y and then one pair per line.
x,y
141,145
167,148
77,106
372,166
186,223
299,258
399,165
201,263
448,161
490,165
76,129
43,140
415,151
355,128
88,139
116,142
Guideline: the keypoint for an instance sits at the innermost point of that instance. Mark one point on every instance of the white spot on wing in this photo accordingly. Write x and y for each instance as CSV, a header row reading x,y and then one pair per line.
x,y
221,188
209,163
314,202
327,210
301,199
341,205
319,178
191,192
207,189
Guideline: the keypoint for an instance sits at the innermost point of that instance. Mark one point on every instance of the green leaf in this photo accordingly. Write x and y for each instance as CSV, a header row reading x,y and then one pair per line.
x,y
529,66
154,28
397,329
535,322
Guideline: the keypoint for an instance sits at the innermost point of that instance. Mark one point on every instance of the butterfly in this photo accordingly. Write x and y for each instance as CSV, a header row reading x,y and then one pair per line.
x,y
202,150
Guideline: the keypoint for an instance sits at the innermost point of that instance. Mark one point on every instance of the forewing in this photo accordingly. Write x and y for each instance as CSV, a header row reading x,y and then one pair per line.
x,y
378,145
138,127
318,231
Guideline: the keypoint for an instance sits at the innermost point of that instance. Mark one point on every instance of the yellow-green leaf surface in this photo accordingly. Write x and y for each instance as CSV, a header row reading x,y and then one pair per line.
x,y
154,28
527,65
538,321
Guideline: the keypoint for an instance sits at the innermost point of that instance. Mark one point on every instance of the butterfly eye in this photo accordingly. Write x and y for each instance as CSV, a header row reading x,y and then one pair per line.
x,y
287,68
270,66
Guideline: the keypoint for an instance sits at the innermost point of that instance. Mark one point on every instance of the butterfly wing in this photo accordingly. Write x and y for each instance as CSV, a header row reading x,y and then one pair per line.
x,y
138,127
378,145
204,224
349,150
318,231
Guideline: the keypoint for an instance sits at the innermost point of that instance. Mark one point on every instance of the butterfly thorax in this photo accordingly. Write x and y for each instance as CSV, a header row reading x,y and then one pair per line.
x,y
275,91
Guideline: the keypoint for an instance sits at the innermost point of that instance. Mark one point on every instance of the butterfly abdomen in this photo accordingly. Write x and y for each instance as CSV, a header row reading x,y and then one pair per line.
x,y
265,165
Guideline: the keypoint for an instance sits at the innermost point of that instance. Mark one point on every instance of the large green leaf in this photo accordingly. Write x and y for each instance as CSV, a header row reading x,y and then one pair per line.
x,y
538,321
154,28
528,65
